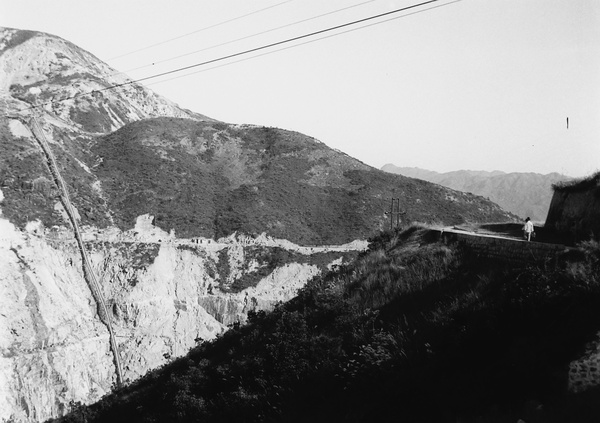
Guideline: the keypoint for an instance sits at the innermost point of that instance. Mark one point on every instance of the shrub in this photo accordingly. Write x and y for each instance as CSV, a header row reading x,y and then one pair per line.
x,y
578,185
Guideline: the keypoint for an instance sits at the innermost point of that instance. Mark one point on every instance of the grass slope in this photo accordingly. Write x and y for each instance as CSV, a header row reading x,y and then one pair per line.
x,y
411,331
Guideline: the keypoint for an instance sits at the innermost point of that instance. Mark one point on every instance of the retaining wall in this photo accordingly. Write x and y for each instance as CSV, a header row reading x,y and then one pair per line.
x,y
584,373
512,250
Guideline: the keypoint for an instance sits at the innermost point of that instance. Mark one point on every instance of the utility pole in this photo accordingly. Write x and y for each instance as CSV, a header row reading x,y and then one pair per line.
x,y
395,211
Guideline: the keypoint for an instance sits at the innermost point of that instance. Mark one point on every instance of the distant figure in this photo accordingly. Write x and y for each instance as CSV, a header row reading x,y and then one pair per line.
x,y
528,229
567,123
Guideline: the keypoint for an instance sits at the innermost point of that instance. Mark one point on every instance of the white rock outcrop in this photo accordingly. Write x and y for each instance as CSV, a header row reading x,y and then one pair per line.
x,y
163,297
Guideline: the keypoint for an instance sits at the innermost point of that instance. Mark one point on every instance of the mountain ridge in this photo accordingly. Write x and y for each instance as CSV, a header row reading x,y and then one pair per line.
x,y
43,70
526,194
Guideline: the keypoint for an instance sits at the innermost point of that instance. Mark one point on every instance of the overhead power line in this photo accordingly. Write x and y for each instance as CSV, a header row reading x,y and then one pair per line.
x,y
247,37
200,30
303,43
245,52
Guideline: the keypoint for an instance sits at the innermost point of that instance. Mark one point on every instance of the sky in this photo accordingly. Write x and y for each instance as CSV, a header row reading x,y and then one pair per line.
x,y
468,84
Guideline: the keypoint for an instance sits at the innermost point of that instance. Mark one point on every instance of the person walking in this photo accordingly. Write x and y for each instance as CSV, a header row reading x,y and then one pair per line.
x,y
528,229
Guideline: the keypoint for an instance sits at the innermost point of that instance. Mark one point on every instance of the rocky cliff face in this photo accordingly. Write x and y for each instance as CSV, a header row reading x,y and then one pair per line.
x,y
163,297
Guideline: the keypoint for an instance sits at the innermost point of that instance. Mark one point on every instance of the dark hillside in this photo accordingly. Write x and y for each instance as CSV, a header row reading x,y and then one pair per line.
x,y
211,179
411,331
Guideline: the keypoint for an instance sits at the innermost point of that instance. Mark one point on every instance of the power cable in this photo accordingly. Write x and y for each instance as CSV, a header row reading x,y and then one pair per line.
x,y
303,43
241,53
199,30
246,37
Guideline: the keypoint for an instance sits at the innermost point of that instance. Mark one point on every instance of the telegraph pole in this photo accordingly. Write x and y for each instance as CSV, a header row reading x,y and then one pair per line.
x,y
395,211
392,214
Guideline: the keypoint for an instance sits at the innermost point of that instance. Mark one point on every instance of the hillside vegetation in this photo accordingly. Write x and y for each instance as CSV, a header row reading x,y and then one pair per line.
x,y
212,179
578,185
413,330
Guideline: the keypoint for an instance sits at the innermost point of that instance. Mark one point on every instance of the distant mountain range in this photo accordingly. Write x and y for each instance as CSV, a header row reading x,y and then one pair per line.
x,y
125,151
524,194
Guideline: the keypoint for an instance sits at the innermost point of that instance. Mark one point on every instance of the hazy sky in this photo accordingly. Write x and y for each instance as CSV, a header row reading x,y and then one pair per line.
x,y
475,84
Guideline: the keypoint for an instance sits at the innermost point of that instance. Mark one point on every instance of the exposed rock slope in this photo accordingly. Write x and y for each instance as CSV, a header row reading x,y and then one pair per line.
x,y
163,298
45,70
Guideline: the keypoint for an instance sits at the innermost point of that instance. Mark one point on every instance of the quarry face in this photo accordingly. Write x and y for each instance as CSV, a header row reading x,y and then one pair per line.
x,y
164,295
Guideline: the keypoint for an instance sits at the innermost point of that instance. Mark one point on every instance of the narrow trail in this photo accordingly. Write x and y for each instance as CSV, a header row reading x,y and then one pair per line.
x,y
502,244
88,271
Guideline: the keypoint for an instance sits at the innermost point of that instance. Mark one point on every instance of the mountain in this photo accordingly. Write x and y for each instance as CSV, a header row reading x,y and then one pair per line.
x,y
132,229
524,194
126,151
44,70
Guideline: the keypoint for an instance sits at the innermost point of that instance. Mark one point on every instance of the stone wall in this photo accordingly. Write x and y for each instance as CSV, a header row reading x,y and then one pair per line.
x,y
584,373
506,249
